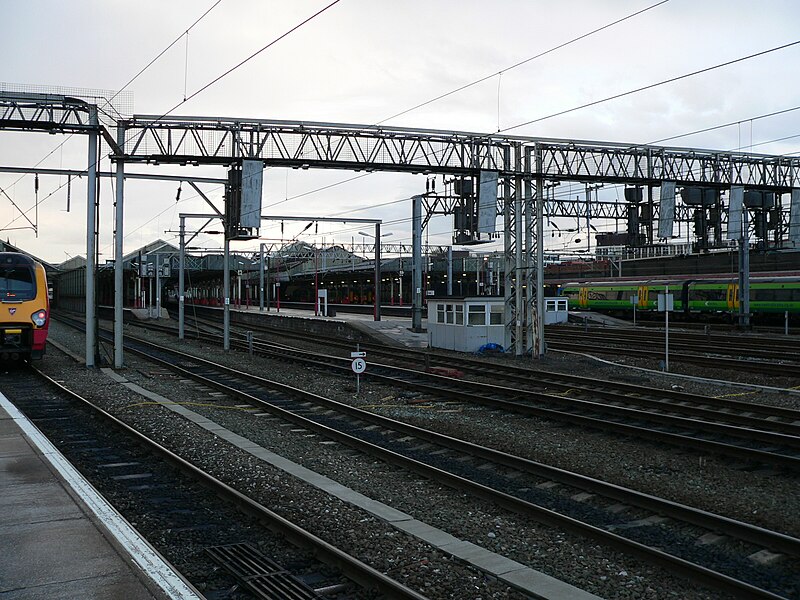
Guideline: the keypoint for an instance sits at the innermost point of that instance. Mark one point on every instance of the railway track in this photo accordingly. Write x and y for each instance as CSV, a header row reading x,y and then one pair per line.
x,y
775,346
176,499
734,429
663,532
717,352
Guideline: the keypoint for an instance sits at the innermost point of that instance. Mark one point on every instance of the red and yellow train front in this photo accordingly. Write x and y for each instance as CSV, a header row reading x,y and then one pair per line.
x,y
24,307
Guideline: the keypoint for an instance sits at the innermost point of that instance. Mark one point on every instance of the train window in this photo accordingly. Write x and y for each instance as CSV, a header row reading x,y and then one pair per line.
x,y
766,295
476,314
708,295
17,282
779,295
597,294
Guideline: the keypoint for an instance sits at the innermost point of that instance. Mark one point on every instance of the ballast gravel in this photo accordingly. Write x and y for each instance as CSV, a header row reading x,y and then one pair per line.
x,y
702,482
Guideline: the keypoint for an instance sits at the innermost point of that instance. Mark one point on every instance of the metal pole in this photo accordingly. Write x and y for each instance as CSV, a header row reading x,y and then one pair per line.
x,y
316,283
744,273
238,285
477,276
666,327
519,270
261,279
401,273
358,375
450,270
158,286
377,271
416,263
226,294
181,270
588,218
91,213
539,343
119,295
267,284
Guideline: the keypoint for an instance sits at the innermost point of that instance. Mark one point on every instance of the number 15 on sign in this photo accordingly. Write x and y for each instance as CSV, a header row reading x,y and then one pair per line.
x,y
359,365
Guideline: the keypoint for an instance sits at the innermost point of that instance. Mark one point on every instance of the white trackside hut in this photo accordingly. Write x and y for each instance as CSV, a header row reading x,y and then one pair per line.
x,y
465,323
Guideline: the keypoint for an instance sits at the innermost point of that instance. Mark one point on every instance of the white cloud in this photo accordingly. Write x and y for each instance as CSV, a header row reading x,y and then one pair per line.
x,y
363,61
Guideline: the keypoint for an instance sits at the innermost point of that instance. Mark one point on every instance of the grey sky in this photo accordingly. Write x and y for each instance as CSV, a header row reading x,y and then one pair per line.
x,y
364,60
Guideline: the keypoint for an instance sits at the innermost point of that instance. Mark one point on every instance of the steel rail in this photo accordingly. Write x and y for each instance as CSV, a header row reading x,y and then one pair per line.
x,y
696,359
747,532
325,552
731,347
678,565
677,333
538,377
466,391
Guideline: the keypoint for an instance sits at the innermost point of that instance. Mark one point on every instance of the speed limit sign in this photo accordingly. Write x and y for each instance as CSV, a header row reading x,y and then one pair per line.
x,y
359,365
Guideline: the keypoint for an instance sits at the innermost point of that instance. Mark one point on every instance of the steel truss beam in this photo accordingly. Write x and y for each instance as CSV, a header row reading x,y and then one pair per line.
x,y
40,112
299,144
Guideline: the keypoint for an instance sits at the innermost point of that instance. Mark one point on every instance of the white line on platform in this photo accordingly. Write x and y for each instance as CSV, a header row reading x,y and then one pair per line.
x,y
144,555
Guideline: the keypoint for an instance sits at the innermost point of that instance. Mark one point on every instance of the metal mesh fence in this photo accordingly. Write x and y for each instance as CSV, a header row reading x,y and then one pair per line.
x,y
111,105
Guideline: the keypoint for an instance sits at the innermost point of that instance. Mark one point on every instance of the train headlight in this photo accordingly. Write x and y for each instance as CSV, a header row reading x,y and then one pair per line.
x,y
39,318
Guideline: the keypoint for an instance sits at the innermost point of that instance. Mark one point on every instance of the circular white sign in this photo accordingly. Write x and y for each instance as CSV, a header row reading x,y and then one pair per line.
x,y
359,365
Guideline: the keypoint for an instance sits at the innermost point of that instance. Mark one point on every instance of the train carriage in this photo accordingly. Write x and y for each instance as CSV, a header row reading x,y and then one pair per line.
x,y
25,307
776,295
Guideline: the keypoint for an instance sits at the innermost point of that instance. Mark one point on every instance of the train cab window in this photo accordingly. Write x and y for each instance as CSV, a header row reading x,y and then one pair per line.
x,y
17,282
476,314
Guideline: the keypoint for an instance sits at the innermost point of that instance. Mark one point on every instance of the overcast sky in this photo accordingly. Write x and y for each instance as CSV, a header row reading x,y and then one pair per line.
x,y
365,60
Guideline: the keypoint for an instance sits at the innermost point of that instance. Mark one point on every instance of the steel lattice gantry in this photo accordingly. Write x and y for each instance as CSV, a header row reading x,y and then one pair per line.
x,y
526,165
300,144
54,113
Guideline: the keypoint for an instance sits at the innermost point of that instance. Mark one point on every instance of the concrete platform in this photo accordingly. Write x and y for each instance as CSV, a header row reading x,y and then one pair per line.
x,y
60,539
389,330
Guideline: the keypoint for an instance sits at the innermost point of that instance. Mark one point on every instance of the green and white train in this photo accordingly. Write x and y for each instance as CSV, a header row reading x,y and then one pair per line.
x,y
768,295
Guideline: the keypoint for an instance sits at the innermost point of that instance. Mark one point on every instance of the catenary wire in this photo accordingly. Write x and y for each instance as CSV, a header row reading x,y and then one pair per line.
x,y
520,63
652,85
130,81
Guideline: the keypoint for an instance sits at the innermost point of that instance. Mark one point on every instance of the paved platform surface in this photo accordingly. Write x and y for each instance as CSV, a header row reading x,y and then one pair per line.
x,y
53,545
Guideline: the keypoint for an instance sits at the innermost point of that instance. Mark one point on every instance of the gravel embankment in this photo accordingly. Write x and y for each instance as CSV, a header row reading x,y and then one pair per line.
x,y
706,483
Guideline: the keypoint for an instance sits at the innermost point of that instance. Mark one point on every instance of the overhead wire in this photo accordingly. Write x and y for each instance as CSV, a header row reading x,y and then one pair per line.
x,y
249,58
522,62
630,92
232,69
238,65
651,86
120,90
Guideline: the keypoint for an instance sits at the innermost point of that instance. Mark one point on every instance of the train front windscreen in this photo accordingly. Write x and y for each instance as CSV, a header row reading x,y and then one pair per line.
x,y
17,280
